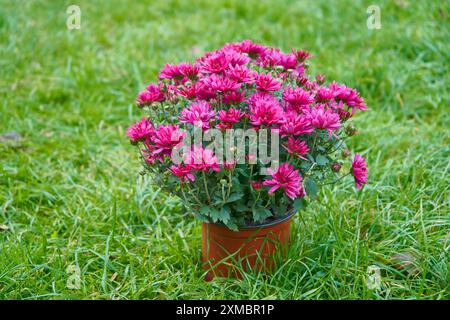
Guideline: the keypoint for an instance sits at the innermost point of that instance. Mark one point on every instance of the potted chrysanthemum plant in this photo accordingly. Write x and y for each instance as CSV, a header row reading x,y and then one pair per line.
x,y
209,129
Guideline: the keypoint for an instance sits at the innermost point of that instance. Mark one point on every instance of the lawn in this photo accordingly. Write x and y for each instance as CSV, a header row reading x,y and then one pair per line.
x,y
72,200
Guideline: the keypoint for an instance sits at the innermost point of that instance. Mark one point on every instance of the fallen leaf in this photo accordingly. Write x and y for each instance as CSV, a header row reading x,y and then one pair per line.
x,y
406,261
11,136
401,3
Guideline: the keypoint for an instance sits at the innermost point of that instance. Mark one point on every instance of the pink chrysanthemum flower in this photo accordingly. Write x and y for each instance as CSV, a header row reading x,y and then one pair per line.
x,y
294,124
299,72
151,94
203,92
297,98
359,171
301,55
141,130
190,92
229,117
288,179
234,97
149,155
182,172
213,62
265,110
170,71
215,83
171,92
297,146
166,138
219,61
235,58
274,57
349,96
251,48
241,74
269,58
288,61
188,70
324,118
311,85
256,185
229,165
198,114
324,94
202,159
265,82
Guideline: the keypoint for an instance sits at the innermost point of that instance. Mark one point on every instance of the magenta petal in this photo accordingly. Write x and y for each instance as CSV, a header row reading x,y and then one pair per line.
x,y
273,189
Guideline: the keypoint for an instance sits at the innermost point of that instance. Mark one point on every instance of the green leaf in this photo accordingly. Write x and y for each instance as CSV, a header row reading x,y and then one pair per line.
x,y
261,213
214,214
318,175
231,225
240,207
205,210
201,217
234,197
305,165
299,204
224,214
280,209
321,160
311,187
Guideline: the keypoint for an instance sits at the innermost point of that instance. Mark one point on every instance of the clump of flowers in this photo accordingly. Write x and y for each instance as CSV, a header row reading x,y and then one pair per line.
x,y
245,86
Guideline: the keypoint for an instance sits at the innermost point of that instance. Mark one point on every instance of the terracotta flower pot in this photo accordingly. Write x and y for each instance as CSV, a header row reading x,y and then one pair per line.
x,y
225,250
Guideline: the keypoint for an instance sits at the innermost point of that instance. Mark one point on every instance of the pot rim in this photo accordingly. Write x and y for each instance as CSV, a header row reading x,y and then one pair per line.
x,y
279,220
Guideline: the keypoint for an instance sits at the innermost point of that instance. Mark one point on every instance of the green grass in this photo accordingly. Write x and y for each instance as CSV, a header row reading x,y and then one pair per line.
x,y
71,195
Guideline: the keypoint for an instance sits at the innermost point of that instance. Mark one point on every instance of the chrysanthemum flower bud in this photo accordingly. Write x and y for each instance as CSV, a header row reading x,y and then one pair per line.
x,y
301,81
351,130
344,115
223,181
336,167
345,153
320,79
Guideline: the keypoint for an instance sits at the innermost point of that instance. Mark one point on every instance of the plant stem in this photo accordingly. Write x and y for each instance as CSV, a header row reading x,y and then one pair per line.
x,y
333,182
310,168
164,113
206,186
268,202
314,142
223,194
229,185
193,195
251,174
